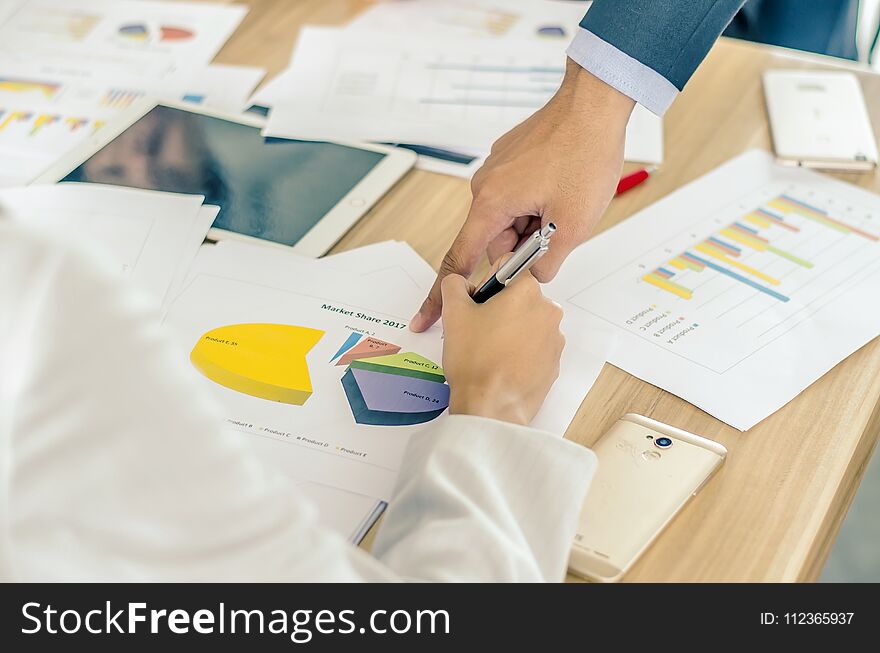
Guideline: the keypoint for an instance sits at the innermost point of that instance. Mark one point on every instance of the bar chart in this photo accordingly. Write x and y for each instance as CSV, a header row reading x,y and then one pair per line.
x,y
743,274
728,244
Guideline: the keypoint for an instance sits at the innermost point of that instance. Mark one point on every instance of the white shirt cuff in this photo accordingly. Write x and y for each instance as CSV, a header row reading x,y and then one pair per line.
x,y
616,68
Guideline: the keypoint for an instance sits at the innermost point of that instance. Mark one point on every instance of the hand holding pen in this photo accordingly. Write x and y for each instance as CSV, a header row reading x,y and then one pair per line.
x,y
525,256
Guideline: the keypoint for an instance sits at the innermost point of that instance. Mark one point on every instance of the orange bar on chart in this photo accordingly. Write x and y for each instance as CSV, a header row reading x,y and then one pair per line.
x,y
721,256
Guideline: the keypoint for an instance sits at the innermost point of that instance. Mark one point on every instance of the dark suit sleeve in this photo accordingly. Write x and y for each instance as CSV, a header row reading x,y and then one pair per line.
x,y
672,37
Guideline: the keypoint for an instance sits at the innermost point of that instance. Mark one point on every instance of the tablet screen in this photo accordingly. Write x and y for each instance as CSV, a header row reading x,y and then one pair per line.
x,y
275,190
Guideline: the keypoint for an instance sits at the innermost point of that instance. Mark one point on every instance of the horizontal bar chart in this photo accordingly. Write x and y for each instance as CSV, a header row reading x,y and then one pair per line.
x,y
736,250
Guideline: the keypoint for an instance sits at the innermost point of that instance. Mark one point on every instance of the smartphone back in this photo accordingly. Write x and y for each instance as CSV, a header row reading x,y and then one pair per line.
x,y
647,472
819,119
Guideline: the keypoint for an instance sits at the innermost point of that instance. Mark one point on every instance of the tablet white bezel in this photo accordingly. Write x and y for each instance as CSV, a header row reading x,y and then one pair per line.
x,y
321,237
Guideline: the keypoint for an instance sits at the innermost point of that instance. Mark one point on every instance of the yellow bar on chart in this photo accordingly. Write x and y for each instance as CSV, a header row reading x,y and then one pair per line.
x,y
741,238
669,286
12,117
678,264
757,220
721,256
786,207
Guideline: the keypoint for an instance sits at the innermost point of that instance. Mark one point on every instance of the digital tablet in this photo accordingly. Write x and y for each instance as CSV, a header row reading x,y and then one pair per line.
x,y
303,195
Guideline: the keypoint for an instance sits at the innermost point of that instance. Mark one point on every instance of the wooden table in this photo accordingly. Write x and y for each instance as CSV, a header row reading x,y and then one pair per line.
x,y
775,508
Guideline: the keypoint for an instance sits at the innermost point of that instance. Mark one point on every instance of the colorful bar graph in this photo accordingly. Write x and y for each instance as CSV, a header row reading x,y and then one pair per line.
x,y
13,85
761,245
75,123
670,286
43,120
663,272
724,247
696,263
119,99
15,116
740,278
758,220
703,248
773,219
748,233
743,227
788,204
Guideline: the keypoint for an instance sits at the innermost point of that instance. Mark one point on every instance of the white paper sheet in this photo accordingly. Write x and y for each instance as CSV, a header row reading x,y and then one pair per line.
x,y
133,37
394,255
66,71
392,266
540,19
145,235
216,86
389,276
37,126
192,245
355,85
332,448
43,116
588,342
729,297
8,8
349,514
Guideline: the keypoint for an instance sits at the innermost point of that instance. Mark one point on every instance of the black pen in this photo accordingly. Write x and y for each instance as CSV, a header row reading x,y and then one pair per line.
x,y
523,258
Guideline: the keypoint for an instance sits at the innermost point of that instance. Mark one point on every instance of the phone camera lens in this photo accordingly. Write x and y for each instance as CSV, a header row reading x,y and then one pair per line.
x,y
663,443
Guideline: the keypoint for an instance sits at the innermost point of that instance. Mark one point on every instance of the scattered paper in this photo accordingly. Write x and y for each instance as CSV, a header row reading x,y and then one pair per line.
x,y
216,86
65,71
539,19
349,514
130,37
394,255
737,291
329,412
145,235
352,85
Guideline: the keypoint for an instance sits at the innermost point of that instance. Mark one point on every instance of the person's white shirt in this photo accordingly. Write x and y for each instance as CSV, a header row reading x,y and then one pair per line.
x,y
114,464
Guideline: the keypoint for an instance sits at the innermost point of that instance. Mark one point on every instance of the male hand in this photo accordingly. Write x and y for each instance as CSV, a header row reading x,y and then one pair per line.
x,y
561,165
501,357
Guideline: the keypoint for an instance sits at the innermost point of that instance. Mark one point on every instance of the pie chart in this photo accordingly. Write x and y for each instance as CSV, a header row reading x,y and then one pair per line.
x,y
170,33
261,360
399,389
358,346
134,32
141,33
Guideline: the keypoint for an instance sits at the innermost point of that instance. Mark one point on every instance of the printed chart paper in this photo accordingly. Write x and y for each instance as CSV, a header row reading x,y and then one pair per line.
x,y
152,39
737,291
539,19
145,235
243,338
353,85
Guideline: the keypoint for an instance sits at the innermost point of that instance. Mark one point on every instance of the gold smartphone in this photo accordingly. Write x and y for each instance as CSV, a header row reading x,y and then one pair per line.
x,y
647,473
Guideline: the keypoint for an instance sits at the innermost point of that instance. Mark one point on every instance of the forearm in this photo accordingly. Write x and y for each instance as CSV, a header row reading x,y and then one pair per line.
x,y
121,468
648,49
480,499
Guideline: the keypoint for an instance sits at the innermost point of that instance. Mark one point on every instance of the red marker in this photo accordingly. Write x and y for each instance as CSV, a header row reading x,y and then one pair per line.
x,y
633,179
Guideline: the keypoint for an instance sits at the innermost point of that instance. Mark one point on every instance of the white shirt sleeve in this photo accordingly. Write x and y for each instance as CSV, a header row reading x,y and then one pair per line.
x,y
619,70
114,465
